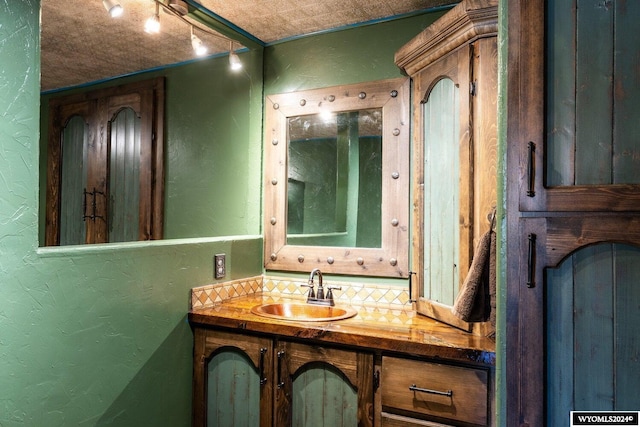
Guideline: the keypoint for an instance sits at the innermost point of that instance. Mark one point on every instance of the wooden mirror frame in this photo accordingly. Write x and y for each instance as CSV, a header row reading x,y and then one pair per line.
x,y
391,259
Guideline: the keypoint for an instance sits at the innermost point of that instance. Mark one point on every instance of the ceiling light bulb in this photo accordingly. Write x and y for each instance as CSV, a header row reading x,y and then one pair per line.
x,y
234,61
152,26
113,7
199,48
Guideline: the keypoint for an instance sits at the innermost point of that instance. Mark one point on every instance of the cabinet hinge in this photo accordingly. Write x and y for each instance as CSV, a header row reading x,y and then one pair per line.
x,y
473,86
376,381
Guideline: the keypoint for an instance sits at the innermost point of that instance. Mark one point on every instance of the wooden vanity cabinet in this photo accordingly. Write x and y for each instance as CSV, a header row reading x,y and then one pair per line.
x,y
425,393
279,364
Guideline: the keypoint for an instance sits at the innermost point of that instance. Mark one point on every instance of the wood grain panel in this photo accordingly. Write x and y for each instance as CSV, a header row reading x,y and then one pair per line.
x,y
592,302
594,103
322,398
233,396
626,126
593,327
627,339
560,342
441,194
484,173
561,93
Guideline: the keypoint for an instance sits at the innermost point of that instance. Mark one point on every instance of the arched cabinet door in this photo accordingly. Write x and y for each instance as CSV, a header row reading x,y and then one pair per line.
x,y
334,375
563,262
231,371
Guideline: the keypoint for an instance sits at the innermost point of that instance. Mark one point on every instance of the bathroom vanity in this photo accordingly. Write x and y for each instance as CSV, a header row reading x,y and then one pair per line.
x,y
381,367
385,366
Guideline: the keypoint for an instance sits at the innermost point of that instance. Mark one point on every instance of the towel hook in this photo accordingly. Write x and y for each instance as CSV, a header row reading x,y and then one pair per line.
x,y
491,217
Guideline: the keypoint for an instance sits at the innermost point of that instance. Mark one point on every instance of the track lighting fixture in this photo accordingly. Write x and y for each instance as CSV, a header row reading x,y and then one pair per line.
x,y
152,26
234,60
177,8
198,47
113,7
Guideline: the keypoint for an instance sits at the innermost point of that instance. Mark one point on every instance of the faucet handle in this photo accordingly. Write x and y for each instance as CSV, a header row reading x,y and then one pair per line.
x,y
330,288
309,285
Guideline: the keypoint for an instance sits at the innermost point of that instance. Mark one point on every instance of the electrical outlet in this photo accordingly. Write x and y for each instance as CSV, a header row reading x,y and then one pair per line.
x,y
219,266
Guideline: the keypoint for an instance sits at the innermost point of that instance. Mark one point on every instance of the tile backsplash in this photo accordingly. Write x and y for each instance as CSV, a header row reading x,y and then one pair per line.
x,y
351,293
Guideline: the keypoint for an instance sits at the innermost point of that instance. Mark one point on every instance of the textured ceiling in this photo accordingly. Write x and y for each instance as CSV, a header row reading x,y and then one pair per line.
x,y
81,43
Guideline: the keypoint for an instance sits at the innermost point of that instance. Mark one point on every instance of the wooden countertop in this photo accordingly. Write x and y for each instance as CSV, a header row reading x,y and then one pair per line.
x,y
384,330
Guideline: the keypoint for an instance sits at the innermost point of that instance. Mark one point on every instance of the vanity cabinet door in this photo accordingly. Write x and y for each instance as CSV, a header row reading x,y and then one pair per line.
x,y
232,384
245,380
321,386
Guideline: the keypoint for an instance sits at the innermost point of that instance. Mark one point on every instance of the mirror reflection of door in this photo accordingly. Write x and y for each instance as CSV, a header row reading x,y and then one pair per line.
x,y
104,168
73,181
124,177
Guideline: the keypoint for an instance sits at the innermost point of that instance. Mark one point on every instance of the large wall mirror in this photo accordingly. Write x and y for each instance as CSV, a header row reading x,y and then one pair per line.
x,y
337,179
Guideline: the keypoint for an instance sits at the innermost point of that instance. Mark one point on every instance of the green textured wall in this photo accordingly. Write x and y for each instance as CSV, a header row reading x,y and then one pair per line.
x,y
98,335
341,57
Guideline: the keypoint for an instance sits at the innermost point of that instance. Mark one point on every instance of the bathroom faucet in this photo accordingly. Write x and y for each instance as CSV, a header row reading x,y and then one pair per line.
x,y
319,296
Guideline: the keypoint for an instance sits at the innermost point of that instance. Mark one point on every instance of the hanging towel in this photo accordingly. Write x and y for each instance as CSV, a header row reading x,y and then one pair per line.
x,y
476,299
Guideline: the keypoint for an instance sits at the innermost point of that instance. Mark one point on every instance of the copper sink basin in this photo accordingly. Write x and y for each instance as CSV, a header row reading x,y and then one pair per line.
x,y
301,312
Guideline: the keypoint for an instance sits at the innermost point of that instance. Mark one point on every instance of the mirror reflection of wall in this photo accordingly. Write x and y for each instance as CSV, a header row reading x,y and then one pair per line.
x,y
335,179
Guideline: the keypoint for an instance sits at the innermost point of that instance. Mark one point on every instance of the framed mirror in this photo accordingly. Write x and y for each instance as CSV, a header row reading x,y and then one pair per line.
x,y
337,179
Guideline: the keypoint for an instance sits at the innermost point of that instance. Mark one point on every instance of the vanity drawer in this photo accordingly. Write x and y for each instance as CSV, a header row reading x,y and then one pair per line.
x,y
444,391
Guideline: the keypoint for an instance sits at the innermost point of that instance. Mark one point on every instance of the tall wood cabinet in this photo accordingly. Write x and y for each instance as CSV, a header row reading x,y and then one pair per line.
x,y
572,209
453,65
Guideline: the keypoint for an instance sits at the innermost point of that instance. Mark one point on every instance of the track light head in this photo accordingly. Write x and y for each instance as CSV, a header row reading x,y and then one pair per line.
x,y
113,7
198,47
234,61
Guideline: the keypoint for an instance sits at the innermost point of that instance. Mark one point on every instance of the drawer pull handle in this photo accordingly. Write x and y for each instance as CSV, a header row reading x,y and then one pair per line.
x,y
448,393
